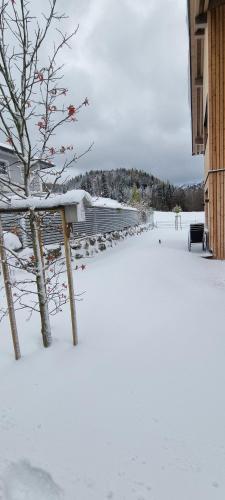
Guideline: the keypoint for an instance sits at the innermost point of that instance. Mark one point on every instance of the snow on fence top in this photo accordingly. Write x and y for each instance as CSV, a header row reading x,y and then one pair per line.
x,y
73,197
109,203
6,146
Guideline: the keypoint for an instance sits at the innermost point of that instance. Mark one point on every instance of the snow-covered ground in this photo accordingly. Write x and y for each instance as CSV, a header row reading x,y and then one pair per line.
x,y
137,410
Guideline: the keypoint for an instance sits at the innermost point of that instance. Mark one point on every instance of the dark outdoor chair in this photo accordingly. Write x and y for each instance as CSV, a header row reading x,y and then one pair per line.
x,y
196,235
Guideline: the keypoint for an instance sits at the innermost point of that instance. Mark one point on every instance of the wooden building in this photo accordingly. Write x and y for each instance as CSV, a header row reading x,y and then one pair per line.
x,y
206,20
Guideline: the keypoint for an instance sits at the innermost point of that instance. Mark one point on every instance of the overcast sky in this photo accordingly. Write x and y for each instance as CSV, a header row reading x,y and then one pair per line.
x,y
130,58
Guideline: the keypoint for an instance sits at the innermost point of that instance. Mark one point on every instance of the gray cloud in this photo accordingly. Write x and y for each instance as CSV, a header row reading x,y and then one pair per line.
x,y
131,59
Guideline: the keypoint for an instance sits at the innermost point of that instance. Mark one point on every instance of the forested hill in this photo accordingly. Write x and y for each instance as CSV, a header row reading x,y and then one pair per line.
x,y
130,186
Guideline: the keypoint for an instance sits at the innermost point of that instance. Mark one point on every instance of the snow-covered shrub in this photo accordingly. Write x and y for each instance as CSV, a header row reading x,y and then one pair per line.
x,y
54,253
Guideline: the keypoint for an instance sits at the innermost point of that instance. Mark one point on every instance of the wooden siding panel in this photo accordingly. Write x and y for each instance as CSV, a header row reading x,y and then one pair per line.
x,y
217,135
223,124
216,118
221,136
213,131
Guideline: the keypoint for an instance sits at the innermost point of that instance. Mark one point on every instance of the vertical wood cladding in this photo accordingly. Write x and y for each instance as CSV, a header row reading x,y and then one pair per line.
x,y
216,3
216,104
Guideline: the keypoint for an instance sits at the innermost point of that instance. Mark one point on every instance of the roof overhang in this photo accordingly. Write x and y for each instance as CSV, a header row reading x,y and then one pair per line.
x,y
197,22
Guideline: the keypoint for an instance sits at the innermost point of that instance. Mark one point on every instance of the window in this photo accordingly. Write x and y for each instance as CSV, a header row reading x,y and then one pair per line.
x,y
3,168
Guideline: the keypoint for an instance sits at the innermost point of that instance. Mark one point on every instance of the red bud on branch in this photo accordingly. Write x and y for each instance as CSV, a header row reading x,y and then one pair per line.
x,y
41,125
39,76
71,110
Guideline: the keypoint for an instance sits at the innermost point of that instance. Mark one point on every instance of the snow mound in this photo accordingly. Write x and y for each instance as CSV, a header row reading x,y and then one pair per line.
x,y
24,482
12,241
26,253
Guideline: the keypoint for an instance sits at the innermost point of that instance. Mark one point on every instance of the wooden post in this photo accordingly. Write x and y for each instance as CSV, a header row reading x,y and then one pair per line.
x,y
70,277
40,239
9,296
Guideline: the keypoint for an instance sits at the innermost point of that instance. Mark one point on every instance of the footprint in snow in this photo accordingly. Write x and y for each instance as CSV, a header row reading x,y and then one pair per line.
x,y
89,483
110,495
6,422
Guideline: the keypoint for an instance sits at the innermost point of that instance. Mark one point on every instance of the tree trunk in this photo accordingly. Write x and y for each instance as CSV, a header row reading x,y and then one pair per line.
x,y
9,297
40,281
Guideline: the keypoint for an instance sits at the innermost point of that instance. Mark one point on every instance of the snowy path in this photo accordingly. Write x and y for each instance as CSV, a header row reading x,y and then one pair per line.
x,y
137,410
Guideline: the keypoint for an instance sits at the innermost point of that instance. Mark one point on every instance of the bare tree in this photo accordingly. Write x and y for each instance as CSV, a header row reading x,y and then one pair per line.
x,y
32,110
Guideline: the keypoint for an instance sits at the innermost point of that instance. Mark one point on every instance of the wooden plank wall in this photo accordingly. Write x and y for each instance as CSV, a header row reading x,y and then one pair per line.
x,y
216,103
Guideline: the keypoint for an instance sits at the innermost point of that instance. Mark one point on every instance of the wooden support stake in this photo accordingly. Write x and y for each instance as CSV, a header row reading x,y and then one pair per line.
x,y
40,239
9,296
70,278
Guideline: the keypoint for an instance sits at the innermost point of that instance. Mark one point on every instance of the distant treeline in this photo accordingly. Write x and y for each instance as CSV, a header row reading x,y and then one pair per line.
x,y
135,186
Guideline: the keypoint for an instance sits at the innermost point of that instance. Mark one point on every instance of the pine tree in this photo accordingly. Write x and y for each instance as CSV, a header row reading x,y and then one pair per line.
x,y
135,197
105,189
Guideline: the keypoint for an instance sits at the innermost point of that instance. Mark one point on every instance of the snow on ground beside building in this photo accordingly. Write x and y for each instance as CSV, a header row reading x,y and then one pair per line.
x,y
136,411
